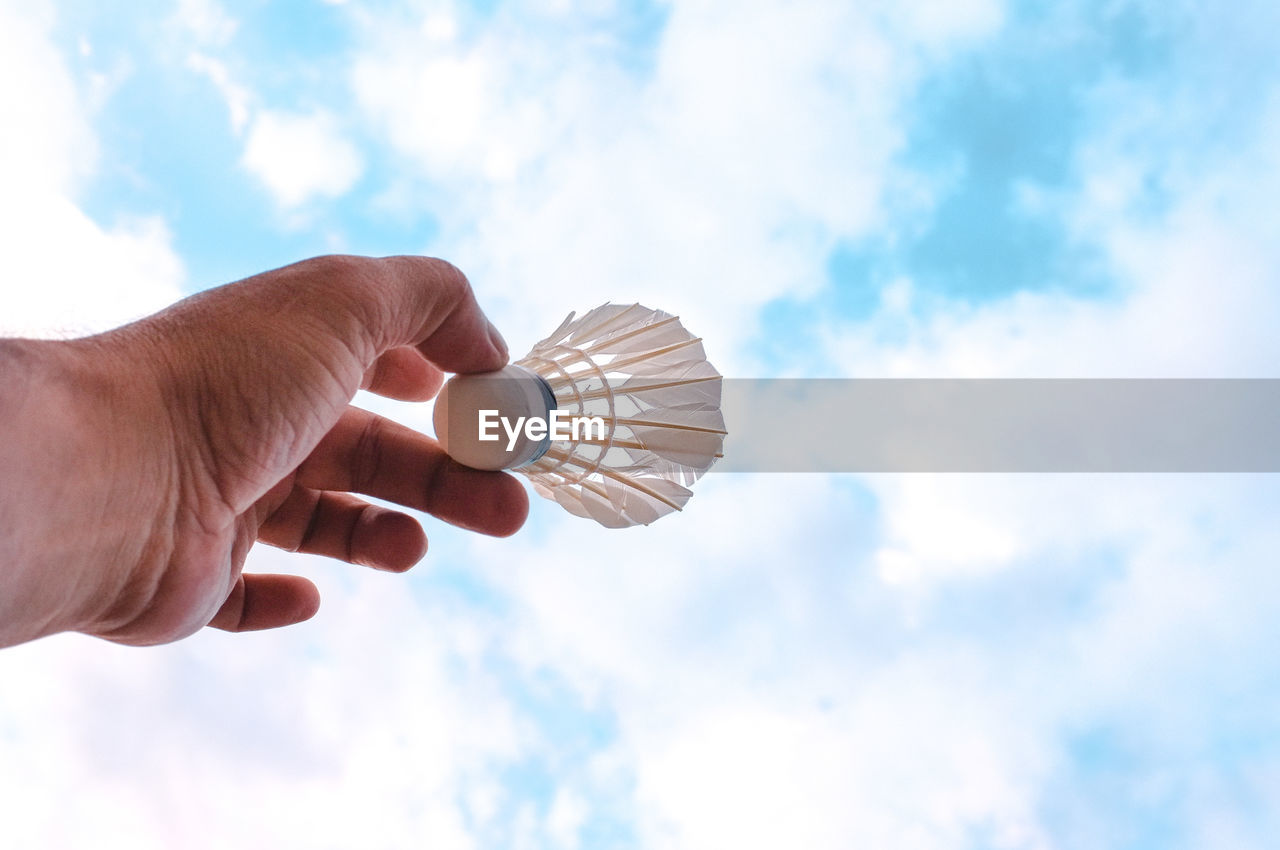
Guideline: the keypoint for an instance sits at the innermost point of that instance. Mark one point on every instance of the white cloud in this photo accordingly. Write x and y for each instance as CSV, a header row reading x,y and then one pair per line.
x,y
710,186
66,274
206,31
370,741
237,97
1195,299
54,147
301,157
944,24
565,818
727,645
453,124
205,20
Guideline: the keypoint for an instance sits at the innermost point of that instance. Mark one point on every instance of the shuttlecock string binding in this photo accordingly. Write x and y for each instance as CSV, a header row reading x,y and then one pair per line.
x,y
648,378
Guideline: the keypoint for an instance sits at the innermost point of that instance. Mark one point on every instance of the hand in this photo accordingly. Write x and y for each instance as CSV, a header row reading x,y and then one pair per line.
x,y
138,467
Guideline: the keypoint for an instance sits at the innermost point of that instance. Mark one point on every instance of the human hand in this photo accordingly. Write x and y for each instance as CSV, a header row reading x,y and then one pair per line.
x,y
139,466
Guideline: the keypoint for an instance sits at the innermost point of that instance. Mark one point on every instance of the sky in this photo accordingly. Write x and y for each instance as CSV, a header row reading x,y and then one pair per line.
x,y
940,188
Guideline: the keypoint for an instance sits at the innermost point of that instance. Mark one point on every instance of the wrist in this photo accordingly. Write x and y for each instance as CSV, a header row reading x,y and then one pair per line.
x,y
29,431
75,489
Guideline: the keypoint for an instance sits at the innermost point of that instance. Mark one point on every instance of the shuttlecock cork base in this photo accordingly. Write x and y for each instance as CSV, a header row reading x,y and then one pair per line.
x,y
614,415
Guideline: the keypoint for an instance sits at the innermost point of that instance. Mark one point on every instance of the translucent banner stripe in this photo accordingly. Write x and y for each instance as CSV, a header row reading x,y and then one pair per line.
x,y
1042,425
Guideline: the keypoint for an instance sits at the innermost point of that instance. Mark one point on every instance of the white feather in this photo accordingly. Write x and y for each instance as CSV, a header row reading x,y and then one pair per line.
x,y
649,379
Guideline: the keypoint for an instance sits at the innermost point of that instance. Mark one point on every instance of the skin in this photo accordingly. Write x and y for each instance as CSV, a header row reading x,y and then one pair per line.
x,y
140,465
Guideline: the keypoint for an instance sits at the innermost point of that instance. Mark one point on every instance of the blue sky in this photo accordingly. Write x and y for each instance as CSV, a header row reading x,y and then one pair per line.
x,y
967,188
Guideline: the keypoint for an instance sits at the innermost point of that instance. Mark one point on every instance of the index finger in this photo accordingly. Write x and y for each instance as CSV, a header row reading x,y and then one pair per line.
x,y
366,453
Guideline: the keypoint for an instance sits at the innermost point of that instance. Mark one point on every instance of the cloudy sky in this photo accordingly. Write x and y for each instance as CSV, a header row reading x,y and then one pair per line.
x,y
939,188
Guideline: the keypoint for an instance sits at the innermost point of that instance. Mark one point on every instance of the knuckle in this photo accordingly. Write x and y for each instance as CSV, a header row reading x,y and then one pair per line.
x,y
434,483
452,283
346,295
343,281
384,298
306,536
366,460
335,267
363,514
449,275
446,281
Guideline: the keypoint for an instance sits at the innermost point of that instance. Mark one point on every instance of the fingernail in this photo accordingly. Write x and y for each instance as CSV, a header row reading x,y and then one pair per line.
x,y
498,342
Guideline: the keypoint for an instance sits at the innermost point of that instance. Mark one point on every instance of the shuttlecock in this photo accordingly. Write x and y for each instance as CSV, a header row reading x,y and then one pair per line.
x,y
614,415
